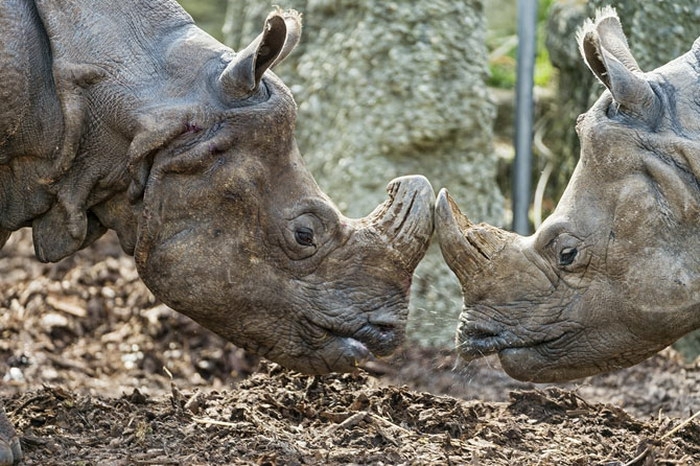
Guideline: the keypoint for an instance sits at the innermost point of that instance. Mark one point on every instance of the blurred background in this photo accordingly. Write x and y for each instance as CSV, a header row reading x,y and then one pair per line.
x,y
389,88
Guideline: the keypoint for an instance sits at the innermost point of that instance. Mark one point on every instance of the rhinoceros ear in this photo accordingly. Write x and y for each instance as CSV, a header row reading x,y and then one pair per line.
x,y
280,35
604,48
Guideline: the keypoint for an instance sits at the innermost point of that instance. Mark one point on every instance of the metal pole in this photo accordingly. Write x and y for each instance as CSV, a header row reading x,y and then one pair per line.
x,y
522,167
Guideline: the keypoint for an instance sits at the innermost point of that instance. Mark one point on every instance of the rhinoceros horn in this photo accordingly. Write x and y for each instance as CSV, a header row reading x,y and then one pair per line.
x,y
467,247
281,33
406,195
604,48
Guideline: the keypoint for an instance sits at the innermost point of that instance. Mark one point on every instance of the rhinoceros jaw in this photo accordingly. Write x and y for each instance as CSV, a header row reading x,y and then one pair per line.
x,y
482,336
476,341
337,354
355,351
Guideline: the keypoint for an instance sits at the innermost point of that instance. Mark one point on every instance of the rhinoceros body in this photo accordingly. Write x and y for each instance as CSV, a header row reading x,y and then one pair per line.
x,y
124,115
613,275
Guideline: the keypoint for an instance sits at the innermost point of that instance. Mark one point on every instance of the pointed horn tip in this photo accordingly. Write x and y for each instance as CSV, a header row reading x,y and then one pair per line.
x,y
447,210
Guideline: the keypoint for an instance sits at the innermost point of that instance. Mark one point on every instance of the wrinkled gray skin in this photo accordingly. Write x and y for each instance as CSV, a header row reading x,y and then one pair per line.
x,y
613,275
124,115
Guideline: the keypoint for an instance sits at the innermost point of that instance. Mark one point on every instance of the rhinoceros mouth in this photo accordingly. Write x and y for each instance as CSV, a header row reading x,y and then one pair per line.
x,y
354,351
382,338
477,339
347,352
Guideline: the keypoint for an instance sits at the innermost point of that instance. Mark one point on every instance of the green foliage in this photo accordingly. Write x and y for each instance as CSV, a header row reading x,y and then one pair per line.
x,y
543,67
503,53
502,71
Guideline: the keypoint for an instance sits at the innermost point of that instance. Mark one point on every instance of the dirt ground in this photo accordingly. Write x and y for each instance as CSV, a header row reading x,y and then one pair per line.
x,y
96,372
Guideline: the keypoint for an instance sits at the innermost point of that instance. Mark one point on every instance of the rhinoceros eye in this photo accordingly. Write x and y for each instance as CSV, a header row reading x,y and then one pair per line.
x,y
304,236
567,256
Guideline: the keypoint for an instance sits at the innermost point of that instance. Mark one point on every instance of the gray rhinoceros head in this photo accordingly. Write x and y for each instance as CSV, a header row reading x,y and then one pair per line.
x,y
236,234
187,150
613,275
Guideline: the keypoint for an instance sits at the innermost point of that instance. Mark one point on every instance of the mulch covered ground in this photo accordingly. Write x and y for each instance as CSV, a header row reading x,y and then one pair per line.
x,y
94,371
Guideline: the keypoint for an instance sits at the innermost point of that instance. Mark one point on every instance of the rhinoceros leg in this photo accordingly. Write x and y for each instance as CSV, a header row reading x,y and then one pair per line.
x,y
10,450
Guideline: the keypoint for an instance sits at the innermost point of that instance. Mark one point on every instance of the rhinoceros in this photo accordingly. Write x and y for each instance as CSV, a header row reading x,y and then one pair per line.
x,y
613,275
124,115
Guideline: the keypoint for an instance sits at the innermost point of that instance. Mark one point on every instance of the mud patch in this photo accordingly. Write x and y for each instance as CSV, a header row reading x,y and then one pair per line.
x,y
95,371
